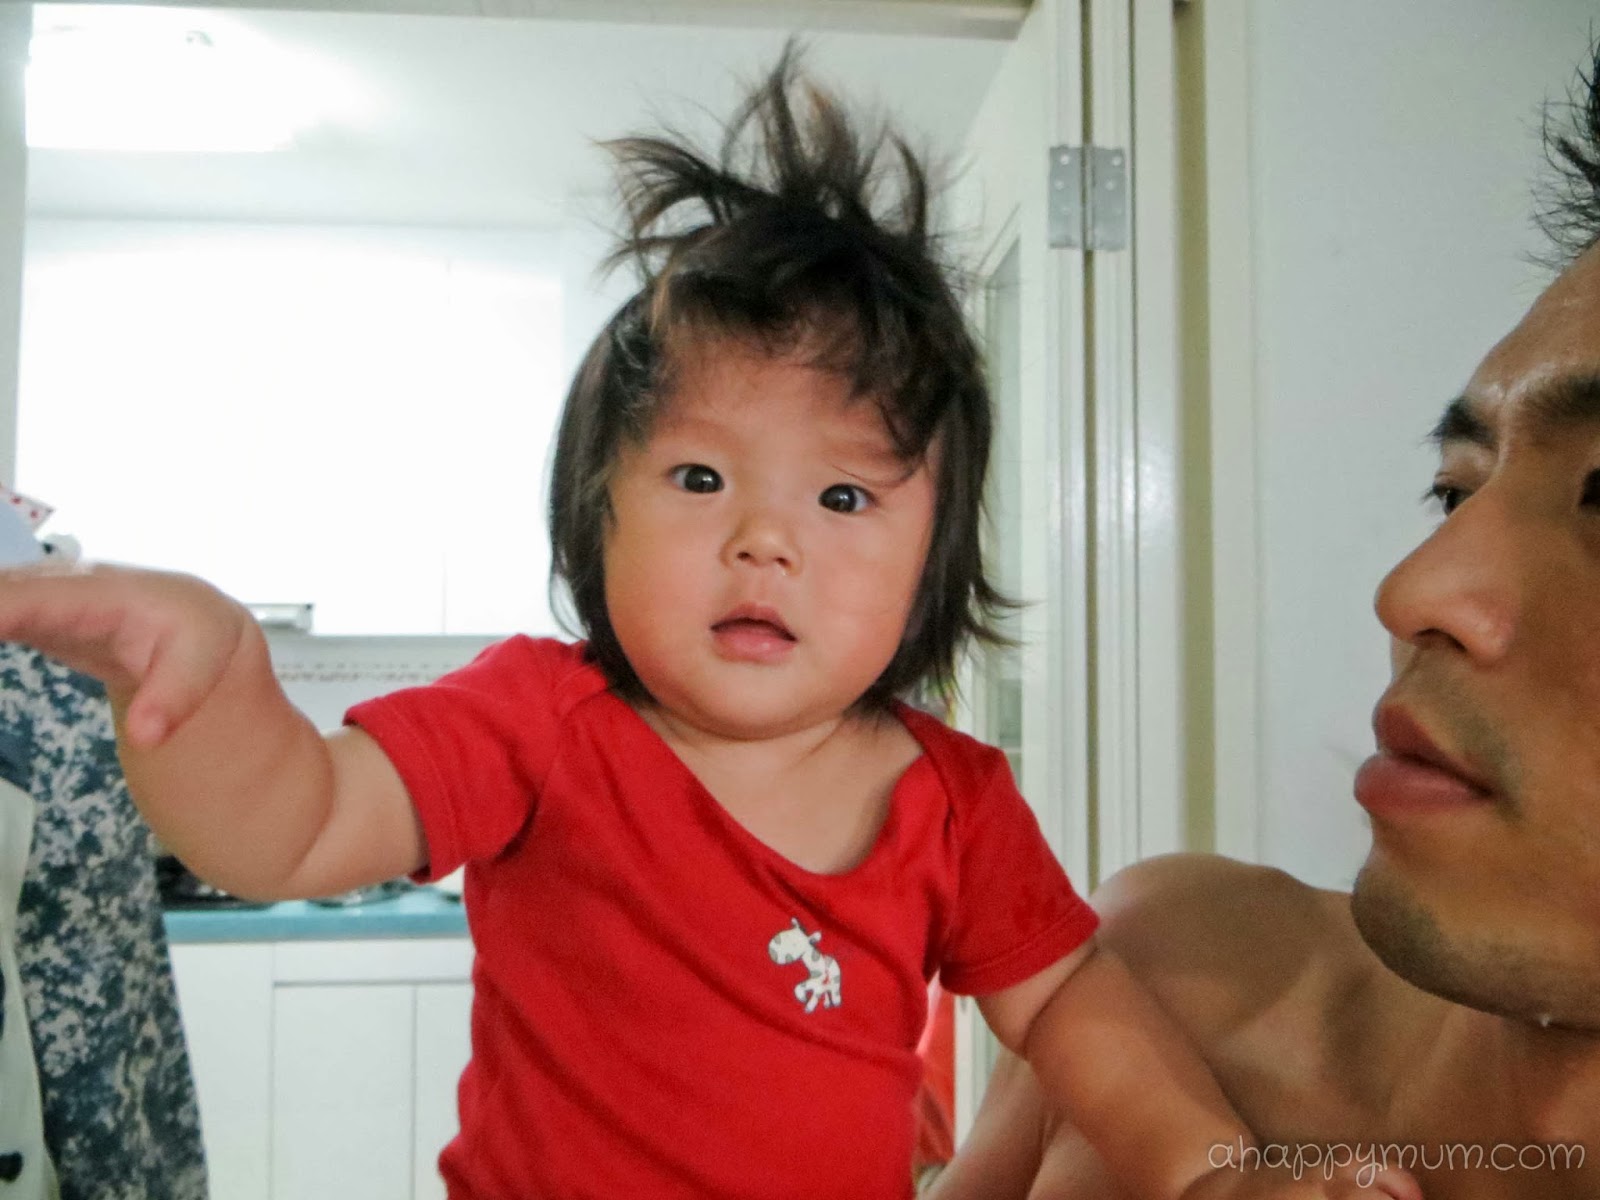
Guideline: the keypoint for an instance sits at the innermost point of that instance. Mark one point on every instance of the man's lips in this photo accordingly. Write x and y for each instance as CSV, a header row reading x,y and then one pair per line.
x,y
1410,773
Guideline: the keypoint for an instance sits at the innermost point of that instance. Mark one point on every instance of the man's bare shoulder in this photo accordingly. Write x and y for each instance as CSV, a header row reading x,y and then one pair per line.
x,y
1300,1022
1221,942
1181,907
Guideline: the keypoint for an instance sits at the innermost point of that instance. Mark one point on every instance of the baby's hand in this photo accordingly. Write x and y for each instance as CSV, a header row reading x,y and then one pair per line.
x,y
158,641
1347,1183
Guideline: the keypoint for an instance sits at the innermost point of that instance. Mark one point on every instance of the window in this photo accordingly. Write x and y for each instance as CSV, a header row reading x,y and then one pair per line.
x,y
355,418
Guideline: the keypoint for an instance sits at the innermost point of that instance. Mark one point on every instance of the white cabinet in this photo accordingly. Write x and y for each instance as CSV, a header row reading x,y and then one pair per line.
x,y
326,1070
225,995
342,1091
442,1046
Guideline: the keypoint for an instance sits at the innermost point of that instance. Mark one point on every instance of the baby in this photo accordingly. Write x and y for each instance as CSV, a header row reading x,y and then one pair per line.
x,y
712,856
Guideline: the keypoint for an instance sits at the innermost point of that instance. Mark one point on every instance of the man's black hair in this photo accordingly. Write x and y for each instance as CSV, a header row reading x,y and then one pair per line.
x,y
1570,206
773,244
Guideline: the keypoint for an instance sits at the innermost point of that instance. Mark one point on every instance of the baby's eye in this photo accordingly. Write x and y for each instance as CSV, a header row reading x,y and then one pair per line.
x,y
696,477
844,498
1447,496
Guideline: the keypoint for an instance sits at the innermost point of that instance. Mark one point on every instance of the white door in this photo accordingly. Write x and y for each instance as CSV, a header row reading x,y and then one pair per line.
x,y
1032,700
1086,465
1031,315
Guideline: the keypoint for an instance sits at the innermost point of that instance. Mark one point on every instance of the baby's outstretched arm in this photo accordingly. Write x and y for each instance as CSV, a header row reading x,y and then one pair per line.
x,y
234,780
1124,1074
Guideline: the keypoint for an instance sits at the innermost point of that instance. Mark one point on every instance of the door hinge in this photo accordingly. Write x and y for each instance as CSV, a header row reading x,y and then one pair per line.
x,y
1088,201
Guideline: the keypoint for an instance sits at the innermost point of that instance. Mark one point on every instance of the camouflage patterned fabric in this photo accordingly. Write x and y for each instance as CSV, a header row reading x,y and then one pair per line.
x,y
119,1107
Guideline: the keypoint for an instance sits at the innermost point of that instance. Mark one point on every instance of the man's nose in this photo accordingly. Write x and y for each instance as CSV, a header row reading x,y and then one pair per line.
x,y
764,538
1461,586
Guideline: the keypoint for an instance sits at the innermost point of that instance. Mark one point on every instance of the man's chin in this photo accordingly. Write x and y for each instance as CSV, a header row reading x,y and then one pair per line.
x,y
1509,977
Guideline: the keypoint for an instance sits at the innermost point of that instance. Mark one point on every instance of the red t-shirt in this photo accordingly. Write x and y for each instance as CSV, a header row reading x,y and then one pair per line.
x,y
664,1006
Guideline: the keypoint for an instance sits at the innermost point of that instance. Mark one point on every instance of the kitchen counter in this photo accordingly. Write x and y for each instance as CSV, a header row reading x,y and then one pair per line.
x,y
422,912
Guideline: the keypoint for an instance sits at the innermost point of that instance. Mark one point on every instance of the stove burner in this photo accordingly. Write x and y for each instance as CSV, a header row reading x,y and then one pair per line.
x,y
181,889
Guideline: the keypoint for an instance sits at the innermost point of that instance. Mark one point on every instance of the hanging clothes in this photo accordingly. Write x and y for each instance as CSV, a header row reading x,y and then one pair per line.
x,y
120,1117
26,1172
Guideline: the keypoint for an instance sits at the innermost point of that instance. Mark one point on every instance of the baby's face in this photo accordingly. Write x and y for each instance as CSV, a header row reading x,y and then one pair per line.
x,y
766,548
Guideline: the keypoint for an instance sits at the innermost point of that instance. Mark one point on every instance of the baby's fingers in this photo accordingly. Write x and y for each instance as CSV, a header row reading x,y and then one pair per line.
x,y
1369,1181
1372,1182
1389,1183
182,669
78,615
158,641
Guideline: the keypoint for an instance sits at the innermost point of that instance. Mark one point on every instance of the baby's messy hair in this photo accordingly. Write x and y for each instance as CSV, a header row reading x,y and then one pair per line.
x,y
774,244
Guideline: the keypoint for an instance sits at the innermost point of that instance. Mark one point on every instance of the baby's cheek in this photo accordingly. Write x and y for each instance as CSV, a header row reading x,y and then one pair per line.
x,y
875,585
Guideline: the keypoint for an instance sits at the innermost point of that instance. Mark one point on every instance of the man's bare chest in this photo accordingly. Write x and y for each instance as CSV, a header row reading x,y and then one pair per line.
x,y
1369,1098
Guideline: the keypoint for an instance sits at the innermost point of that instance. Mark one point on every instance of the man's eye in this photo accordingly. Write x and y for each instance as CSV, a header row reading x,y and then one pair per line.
x,y
694,477
1591,490
844,498
1447,496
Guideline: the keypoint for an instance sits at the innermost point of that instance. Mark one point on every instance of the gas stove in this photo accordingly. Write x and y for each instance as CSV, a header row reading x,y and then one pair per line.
x,y
182,889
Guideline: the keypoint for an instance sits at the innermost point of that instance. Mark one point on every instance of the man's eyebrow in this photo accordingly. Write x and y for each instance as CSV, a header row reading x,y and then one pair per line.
x,y
1461,423
1565,401
1553,407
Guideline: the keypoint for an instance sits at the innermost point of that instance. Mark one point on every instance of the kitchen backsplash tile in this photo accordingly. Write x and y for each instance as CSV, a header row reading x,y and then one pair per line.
x,y
323,676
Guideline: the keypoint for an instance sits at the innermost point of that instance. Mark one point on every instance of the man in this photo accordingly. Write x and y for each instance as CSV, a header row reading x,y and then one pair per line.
x,y
1445,1017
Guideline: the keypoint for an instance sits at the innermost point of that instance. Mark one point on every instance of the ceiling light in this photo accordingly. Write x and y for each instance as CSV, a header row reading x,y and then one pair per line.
x,y
150,80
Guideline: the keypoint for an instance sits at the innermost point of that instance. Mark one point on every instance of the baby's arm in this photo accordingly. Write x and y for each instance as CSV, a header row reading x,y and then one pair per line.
x,y
1124,1074
234,780
1106,1053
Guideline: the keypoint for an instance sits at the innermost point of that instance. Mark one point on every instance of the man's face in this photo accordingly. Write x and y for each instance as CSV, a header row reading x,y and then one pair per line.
x,y
1483,884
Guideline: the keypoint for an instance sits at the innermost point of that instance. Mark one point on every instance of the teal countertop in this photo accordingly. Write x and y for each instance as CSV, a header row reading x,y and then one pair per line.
x,y
422,912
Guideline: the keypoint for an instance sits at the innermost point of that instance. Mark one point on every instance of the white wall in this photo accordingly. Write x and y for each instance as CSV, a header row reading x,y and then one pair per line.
x,y
16,26
1392,149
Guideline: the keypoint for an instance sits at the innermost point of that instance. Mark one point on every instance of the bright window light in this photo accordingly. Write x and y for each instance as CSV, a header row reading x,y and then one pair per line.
x,y
149,80
355,418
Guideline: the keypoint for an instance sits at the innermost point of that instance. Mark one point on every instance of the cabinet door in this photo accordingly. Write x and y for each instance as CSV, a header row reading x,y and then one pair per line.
x,y
342,1092
443,1046
225,996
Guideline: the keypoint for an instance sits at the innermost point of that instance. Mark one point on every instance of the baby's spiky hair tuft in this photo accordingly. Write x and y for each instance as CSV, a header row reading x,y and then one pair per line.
x,y
775,243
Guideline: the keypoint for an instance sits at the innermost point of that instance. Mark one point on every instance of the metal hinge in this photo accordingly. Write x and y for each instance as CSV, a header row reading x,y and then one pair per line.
x,y
1088,203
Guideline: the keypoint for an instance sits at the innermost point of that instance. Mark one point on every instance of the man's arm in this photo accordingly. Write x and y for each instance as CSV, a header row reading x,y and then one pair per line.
x,y
235,781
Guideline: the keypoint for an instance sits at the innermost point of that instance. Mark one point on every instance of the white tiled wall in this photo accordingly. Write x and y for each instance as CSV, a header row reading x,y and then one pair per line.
x,y
323,676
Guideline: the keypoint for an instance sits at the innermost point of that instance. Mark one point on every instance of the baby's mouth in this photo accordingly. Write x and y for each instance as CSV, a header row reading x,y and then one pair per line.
x,y
754,620
754,625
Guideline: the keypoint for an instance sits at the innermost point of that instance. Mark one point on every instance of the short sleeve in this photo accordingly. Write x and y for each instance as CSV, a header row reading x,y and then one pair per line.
x,y
1016,911
475,746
